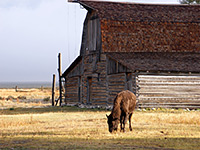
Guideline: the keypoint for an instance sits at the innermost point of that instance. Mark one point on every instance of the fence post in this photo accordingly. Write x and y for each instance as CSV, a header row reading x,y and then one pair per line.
x,y
53,89
16,88
60,75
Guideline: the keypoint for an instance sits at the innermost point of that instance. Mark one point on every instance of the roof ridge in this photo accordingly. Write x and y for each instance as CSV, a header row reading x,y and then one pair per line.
x,y
135,3
143,12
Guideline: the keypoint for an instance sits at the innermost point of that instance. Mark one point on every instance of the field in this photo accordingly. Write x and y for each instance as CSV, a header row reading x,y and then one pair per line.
x,y
75,128
34,93
26,98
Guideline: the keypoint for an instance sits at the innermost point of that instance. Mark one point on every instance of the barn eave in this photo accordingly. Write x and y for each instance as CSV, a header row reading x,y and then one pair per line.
x,y
72,66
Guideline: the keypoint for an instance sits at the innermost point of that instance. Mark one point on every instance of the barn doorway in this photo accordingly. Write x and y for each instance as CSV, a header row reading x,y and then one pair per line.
x,y
169,90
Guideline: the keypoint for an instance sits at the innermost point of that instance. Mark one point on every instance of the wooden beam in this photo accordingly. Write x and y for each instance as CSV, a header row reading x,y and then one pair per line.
x,y
60,75
53,89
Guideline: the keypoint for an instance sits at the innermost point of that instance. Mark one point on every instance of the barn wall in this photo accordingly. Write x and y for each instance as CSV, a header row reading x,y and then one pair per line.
x,y
121,81
91,38
77,71
100,94
94,78
162,89
157,89
89,67
87,81
135,86
73,81
119,78
116,83
71,90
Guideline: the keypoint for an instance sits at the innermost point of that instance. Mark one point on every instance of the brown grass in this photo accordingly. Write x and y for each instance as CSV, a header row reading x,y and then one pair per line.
x,y
33,93
74,128
25,125
9,98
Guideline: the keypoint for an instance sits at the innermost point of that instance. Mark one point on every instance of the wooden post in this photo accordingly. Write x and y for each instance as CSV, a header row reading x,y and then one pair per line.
x,y
60,75
53,89
16,88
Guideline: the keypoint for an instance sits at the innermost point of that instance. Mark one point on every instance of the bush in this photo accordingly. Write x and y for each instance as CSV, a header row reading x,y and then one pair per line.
x,y
10,98
46,99
21,97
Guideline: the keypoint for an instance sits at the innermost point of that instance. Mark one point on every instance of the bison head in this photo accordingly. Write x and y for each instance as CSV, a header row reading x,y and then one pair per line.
x,y
112,123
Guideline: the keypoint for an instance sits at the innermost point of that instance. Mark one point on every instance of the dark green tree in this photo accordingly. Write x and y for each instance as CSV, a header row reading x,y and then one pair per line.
x,y
189,1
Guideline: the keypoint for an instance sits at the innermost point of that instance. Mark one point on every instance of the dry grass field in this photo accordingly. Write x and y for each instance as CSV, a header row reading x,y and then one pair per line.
x,y
26,127
75,128
34,93
26,98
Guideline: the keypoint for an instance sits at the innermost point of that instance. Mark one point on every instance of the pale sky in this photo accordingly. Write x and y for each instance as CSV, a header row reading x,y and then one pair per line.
x,y
33,32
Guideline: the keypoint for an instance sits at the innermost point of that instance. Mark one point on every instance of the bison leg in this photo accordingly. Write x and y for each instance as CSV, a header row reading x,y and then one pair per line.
x,y
130,122
124,121
121,122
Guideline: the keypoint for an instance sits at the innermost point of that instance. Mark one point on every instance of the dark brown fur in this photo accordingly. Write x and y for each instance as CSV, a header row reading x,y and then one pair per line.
x,y
123,107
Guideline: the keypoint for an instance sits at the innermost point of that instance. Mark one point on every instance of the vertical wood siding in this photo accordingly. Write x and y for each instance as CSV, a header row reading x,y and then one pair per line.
x,y
114,67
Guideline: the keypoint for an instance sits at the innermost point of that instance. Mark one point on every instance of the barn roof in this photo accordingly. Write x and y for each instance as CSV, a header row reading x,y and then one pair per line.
x,y
121,11
132,27
162,61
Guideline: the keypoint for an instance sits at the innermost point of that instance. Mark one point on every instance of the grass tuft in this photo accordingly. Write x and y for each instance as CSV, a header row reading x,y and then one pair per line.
x,y
46,99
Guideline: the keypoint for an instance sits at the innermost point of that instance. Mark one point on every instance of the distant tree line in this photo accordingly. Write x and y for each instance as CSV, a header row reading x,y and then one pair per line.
x,y
189,1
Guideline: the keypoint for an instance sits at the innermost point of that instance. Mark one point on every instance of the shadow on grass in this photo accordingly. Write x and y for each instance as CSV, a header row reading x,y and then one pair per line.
x,y
16,111
115,143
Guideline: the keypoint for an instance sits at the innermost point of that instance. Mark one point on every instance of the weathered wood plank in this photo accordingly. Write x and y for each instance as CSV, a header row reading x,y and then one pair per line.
x,y
169,105
165,89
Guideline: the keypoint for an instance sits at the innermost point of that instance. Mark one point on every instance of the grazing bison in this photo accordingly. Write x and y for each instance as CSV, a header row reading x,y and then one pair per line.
x,y
124,104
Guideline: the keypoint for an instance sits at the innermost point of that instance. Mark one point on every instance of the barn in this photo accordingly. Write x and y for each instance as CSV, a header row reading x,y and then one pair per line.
x,y
152,50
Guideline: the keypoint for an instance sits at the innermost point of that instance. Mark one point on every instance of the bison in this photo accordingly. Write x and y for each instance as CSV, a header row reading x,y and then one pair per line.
x,y
123,106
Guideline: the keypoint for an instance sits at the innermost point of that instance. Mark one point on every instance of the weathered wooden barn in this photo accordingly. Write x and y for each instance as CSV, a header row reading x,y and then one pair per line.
x,y
152,50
